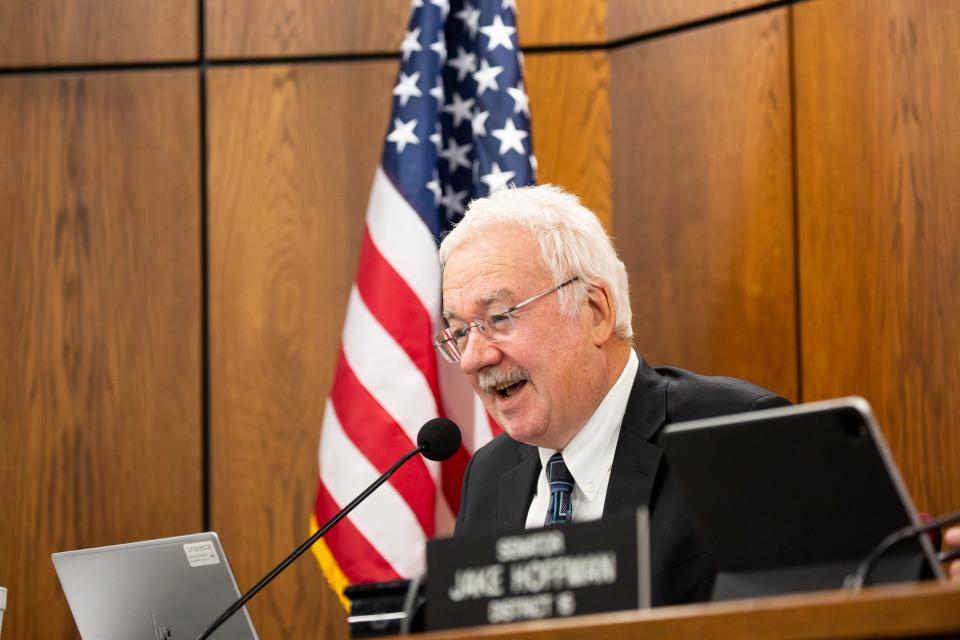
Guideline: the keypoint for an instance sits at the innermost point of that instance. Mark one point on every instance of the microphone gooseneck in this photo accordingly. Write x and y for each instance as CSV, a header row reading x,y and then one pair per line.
x,y
437,440
857,580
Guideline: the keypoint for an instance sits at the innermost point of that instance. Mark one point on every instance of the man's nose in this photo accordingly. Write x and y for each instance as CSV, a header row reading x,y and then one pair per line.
x,y
478,353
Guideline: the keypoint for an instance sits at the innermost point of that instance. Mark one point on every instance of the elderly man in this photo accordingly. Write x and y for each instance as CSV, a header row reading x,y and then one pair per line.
x,y
539,320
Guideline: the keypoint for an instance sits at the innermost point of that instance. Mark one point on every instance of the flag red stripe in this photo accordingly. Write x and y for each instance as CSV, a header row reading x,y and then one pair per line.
x,y
357,558
381,441
495,429
398,310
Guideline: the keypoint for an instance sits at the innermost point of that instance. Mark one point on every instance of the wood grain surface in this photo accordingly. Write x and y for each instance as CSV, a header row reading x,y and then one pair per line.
x,y
275,28
272,28
627,18
292,157
100,406
900,611
37,33
878,160
702,198
561,22
570,106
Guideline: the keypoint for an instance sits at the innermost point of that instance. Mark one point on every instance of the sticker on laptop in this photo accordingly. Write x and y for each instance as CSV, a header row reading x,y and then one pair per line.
x,y
201,554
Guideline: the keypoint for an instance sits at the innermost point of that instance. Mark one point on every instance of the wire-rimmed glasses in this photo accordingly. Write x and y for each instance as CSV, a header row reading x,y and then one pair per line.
x,y
496,327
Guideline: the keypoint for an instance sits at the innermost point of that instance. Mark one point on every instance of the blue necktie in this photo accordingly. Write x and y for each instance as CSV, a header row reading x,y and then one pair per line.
x,y
560,510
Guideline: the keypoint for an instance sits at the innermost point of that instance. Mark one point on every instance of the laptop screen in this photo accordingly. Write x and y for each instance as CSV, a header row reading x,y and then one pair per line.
x,y
792,499
166,588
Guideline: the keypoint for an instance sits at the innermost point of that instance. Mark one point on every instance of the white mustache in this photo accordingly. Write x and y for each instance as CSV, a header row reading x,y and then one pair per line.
x,y
490,378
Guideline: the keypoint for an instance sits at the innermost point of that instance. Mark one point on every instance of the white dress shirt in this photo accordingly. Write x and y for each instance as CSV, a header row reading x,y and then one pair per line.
x,y
589,455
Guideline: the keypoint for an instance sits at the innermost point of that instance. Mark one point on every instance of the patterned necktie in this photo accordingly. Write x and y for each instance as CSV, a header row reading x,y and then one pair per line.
x,y
560,510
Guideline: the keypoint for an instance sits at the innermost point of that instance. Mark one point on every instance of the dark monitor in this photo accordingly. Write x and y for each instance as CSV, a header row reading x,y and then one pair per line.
x,y
793,499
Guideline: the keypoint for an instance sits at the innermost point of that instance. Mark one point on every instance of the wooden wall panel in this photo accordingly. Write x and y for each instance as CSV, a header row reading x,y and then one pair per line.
x,y
627,18
100,311
292,157
271,28
570,107
276,28
70,32
555,22
702,198
879,204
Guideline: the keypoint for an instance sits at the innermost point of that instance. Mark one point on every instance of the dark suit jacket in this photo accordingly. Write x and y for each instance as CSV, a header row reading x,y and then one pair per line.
x,y
501,478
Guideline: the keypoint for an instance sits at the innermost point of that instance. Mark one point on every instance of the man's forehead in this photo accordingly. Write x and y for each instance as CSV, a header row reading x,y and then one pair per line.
x,y
493,268
482,299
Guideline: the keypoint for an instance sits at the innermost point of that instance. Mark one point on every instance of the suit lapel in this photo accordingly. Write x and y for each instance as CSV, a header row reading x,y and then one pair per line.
x,y
517,487
636,460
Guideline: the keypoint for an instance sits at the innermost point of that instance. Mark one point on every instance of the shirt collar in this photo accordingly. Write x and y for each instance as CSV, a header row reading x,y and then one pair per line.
x,y
589,455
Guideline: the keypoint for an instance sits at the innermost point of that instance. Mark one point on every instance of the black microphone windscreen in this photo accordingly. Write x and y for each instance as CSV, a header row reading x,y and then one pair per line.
x,y
440,439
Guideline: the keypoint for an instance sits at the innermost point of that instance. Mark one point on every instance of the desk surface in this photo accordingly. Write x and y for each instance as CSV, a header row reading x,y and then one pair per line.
x,y
903,611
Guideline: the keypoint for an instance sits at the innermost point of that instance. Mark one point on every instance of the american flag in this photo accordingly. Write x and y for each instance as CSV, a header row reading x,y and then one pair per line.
x,y
459,129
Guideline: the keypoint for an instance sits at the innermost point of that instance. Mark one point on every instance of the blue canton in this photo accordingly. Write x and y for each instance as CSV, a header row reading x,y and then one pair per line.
x,y
460,123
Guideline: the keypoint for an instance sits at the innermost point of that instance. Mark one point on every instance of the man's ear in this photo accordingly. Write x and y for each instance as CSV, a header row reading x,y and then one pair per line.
x,y
603,313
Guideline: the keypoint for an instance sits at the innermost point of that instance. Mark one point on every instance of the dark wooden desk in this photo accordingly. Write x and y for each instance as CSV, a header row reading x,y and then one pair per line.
x,y
908,611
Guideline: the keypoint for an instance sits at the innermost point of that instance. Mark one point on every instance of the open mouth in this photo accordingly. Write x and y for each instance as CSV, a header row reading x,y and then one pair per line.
x,y
510,389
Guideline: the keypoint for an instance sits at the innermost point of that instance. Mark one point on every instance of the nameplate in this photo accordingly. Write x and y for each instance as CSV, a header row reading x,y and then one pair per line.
x,y
535,574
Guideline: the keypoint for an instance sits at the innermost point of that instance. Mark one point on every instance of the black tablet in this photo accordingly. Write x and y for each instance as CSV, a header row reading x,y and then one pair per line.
x,y
793,499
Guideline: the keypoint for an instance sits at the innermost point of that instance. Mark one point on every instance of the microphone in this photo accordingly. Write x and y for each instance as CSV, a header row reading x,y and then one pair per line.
x,y
437,440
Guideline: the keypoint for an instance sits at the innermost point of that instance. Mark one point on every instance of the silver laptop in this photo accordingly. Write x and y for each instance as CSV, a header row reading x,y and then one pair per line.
x,y
157,589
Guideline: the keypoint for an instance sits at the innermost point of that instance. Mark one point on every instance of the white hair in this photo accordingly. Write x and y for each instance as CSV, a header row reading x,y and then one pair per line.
x,y
572,243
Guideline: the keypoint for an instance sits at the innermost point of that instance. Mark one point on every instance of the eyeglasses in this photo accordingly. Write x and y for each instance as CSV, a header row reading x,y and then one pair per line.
x,y
496,327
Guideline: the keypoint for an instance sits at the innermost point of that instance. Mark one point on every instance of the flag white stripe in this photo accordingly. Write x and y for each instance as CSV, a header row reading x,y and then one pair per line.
x,y
404,241
384,518
385,369
458,404
482,434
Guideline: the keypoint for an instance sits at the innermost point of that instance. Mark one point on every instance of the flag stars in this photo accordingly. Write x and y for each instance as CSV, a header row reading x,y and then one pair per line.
x,y
456,155
402,134
434,186
521,101
437,92
468,82
411,43
486,77
479,123
497,180
465,63
440,48
510,137
452,201
498,34
407,87
470,18
437,138
444,7
460,109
